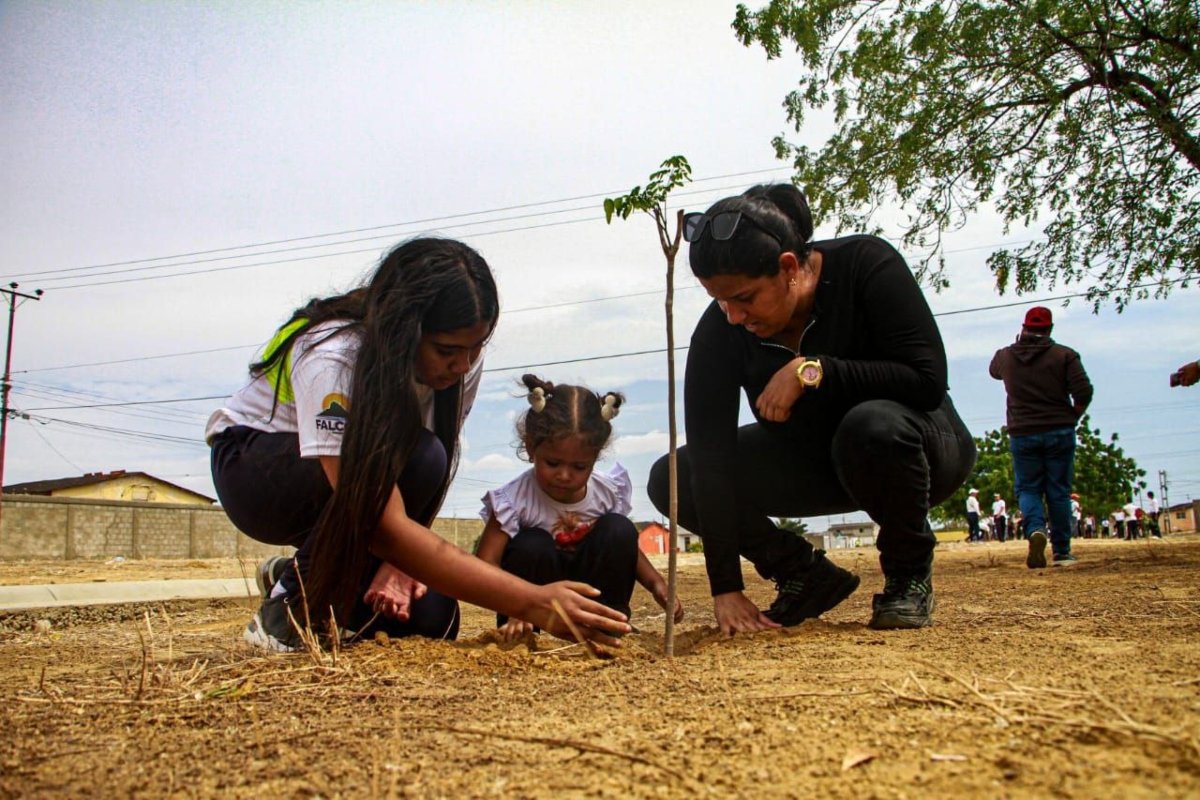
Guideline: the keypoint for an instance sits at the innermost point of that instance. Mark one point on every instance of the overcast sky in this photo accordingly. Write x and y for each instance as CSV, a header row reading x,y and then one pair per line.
x,y
178,177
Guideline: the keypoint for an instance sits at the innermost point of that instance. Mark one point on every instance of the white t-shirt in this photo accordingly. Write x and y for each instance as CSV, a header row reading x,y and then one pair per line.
x,y
1076,509
521,503
972,504
1130,510
1152,505
998,508
315,403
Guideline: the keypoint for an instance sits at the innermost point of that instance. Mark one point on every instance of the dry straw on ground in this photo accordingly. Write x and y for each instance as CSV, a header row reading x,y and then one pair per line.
x,y
1077,682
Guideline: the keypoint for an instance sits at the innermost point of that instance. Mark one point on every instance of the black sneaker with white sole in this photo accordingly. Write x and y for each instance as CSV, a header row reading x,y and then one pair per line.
x,y
268,573
906,602
809,594
273,627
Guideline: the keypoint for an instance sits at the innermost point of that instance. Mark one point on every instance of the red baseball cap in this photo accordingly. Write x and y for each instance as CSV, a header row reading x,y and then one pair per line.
x,y
1039,317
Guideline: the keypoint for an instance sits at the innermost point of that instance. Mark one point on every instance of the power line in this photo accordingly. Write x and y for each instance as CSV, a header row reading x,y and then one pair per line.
x,y
130,266
580,360
563,304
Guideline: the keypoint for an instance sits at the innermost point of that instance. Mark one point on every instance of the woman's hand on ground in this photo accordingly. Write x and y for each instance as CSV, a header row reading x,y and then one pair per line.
x,y
736,614
659,592
594,621
783,390
393,592
514,630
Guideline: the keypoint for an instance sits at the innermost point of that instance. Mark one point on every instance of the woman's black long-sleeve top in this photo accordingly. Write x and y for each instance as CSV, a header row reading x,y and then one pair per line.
x,y
876,339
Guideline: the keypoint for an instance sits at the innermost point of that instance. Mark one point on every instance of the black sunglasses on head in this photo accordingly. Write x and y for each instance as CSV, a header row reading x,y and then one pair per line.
x,y
721,226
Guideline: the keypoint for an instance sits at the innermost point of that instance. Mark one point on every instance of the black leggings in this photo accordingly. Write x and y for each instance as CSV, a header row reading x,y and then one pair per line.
x,y
606,558
273,495
885,458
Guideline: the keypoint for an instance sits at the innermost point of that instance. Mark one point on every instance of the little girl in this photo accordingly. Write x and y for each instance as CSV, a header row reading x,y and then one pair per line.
x,y
560,520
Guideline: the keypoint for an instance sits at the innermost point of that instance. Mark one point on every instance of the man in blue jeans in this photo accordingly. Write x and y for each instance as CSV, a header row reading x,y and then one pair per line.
x,y
1048,391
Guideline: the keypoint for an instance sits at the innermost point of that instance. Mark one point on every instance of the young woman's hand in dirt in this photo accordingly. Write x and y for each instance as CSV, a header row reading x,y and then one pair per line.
x,y
736,614
659,592
782,391
595,621
514,630
393,592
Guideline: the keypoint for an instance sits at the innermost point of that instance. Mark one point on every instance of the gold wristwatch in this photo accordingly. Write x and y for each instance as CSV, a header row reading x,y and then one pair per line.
x,y
809,373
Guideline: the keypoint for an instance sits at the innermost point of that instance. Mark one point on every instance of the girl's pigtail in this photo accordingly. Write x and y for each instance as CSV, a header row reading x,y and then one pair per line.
x,y
539,392
610,406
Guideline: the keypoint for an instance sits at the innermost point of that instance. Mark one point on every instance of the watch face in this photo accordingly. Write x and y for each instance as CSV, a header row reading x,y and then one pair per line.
x,y
810,373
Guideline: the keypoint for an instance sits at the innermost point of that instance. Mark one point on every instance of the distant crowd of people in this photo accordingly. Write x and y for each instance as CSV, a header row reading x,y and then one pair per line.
x,y
1131,521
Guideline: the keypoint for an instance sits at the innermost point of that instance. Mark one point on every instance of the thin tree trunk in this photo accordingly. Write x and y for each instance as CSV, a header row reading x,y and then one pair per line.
x,y
672,470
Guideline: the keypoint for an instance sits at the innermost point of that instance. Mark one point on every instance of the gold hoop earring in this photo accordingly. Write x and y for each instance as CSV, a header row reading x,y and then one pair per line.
x,y
792,282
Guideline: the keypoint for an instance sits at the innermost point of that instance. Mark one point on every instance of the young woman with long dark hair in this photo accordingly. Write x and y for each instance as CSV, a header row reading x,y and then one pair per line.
x,y
343,444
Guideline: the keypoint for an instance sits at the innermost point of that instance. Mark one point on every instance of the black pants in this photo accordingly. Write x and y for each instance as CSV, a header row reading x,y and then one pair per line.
x,y
606,558
885,458
273,495
973,533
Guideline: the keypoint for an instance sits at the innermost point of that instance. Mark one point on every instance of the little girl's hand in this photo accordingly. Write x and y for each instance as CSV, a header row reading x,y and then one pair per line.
x,y
514,630
660,596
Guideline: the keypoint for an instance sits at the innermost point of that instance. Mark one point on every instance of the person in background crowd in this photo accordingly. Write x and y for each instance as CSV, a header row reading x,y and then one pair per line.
x,y
1119,523
1089,526
999,517
1131,520
1076,516
973,533
1152,511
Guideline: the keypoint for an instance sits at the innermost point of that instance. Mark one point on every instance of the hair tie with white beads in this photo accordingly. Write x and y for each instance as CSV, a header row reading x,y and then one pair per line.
x,y
610,407
537,399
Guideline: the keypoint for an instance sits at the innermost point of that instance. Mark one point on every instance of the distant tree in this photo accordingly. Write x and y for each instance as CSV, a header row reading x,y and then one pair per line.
x,y
1083,111
993,475
1105,477
796,526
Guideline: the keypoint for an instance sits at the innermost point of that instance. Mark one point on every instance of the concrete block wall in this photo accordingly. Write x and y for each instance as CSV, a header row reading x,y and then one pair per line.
x,y
52,528
459,531
33,527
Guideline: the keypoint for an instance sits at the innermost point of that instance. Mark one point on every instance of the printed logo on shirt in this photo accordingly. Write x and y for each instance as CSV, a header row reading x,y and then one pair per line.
x,y
332,418
569,529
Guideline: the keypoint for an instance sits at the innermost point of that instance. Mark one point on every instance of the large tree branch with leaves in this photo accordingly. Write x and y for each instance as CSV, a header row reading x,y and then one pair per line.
x,y
1082,118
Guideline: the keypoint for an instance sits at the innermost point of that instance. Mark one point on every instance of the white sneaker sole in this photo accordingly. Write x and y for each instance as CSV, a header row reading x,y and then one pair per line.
x,y
256,636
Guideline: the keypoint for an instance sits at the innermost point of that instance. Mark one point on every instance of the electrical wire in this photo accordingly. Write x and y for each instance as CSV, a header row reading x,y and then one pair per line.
x,y
353,231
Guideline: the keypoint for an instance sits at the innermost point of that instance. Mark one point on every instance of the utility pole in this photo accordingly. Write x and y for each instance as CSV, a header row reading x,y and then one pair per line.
x,y
13,297
1166,503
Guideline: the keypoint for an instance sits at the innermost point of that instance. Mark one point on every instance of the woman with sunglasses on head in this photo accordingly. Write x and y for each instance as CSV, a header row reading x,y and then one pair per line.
x,y
343,443
845,372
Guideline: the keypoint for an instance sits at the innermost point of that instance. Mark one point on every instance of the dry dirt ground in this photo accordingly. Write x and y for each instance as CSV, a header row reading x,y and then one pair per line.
x,y
1080,682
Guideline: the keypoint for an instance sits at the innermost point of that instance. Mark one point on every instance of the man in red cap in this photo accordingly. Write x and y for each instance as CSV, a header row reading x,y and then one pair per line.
x,y
1048,391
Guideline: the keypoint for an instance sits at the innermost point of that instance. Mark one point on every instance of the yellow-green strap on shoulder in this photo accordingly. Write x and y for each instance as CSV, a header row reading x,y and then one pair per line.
x,y
280,373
